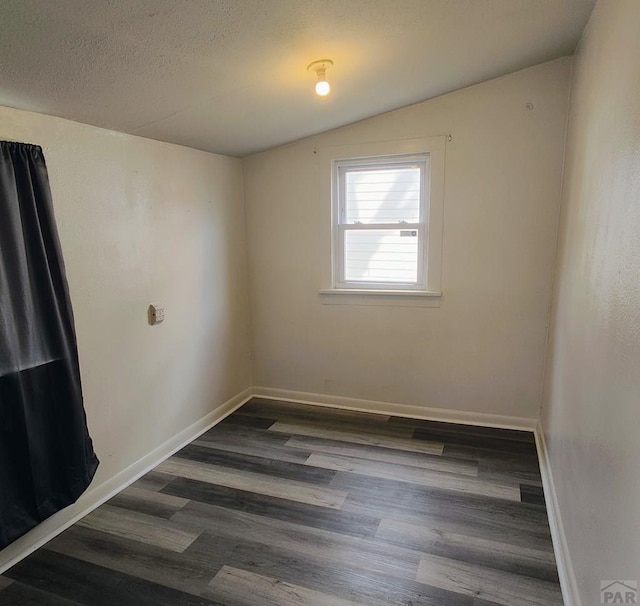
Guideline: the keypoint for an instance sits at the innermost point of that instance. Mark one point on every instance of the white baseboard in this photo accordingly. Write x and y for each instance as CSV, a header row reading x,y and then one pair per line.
x,y
565,569
97,495
401,410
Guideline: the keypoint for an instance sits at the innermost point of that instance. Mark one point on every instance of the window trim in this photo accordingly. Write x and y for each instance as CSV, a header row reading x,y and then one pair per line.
x,y
370,293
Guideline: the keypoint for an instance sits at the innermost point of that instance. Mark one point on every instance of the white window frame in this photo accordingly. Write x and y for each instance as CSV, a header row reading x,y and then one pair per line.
x,y
341,226
431,222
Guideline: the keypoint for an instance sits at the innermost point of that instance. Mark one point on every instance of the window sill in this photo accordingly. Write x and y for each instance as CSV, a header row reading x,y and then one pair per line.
x,y
388,298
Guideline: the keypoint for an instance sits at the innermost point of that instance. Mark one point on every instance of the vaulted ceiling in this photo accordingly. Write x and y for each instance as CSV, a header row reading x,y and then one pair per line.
x,y
229,76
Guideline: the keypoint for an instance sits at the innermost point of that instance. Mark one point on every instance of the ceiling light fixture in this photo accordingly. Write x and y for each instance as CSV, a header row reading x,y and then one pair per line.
x,y
320,68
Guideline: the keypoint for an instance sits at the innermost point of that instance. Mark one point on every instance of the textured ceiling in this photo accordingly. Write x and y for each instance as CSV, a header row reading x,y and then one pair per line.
x,y
229,76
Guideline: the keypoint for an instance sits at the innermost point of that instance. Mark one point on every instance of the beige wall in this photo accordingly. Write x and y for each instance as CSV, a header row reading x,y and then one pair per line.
x,y
482,350
591,414
142,222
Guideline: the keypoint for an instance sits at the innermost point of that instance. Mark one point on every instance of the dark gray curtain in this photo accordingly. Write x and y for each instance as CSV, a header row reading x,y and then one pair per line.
x,y
46,454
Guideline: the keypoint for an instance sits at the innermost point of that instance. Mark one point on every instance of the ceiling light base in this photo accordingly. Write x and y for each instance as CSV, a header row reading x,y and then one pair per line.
x,y
320,64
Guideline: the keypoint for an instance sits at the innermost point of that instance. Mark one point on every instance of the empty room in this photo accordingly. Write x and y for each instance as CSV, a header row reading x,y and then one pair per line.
x,y
319,303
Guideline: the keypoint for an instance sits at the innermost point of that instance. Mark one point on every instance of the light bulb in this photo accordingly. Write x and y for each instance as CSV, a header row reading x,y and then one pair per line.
x,y
322,88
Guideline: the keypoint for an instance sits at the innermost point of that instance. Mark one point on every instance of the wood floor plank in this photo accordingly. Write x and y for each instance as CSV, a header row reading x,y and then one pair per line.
x,y
238,587
313,516
91,585
249,440
249,421
497,467
262,465
513,435
280,409
306,444
488,443
485,527
185,571
492,461
488,584
518,523
509,473
140,527
253,482
339,578
255,449
401,440
152,480
315,544
148,501
389,493
352,427
243,434
532,494
500,555
423,477
25,595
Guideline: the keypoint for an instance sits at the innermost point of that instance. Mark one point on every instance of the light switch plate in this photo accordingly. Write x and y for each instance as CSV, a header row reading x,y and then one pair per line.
x,y
156,314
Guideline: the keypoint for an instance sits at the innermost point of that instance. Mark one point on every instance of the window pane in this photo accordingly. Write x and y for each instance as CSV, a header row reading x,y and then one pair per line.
x,y
385,195
377,255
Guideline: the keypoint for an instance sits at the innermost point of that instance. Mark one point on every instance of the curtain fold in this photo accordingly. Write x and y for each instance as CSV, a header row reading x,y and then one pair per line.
x,y
46,455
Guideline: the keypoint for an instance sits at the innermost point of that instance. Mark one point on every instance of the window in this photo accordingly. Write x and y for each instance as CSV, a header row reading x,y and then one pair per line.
x,y
381,222
387,217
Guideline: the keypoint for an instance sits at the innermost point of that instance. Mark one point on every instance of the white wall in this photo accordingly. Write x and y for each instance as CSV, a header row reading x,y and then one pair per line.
x,y
142,222
482,350
591,414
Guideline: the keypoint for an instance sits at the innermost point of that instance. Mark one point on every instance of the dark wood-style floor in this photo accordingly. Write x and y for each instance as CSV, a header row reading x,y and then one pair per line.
x,y
286,504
